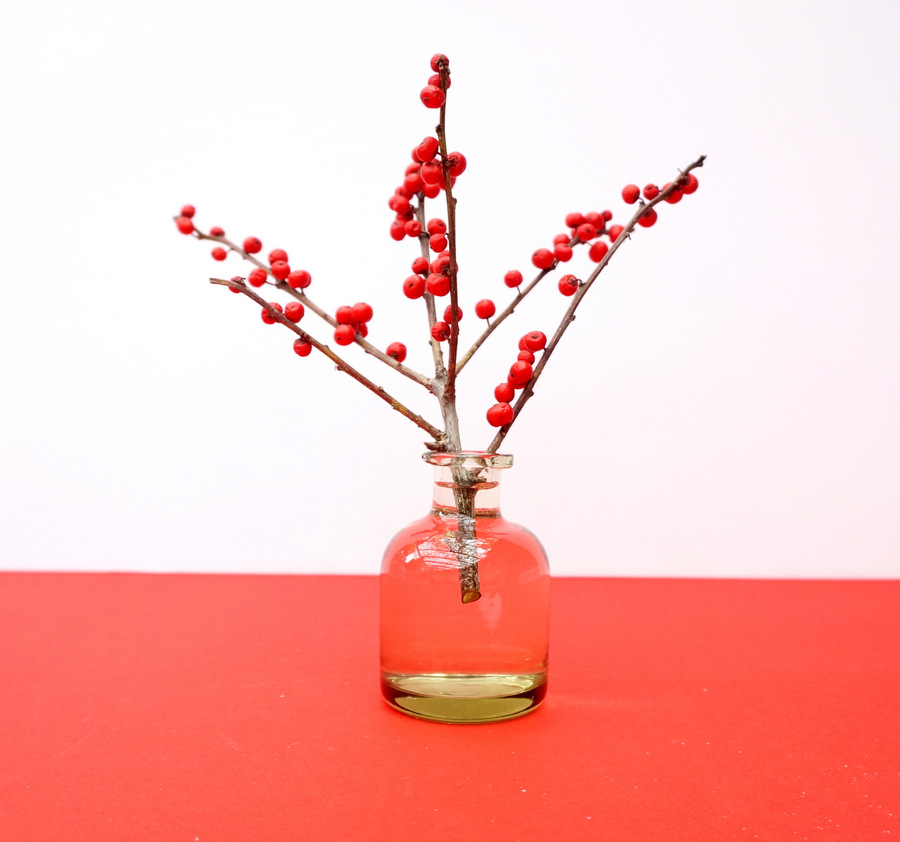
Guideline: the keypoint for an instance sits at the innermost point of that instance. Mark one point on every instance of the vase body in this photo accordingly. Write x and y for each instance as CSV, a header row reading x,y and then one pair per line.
x,y
465,598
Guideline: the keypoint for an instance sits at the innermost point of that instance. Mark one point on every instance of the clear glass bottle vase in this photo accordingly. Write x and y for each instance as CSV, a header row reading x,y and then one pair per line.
x,y
465,598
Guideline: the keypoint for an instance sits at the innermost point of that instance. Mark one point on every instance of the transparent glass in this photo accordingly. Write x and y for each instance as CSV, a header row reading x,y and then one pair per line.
x,y
465,599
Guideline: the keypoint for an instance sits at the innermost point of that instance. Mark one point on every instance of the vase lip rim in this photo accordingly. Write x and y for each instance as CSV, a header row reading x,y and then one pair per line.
x,y
481,457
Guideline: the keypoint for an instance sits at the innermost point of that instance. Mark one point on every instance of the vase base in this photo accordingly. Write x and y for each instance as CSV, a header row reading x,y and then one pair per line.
x,y
464,699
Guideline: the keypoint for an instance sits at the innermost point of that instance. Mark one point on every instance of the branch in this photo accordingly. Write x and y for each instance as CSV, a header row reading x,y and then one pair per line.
x,y
341,364
569,315
301,296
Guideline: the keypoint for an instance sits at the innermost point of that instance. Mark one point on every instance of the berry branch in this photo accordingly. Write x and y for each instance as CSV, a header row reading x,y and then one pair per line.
x,y
435,275
276,315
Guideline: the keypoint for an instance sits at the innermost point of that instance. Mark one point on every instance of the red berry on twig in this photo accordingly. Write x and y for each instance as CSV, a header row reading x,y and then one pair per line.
x,y
344,315
485,308
362,312
344,334
512,278
456,161
257,277
267,317
276,255
280,270
690,184
543,259
219,253
427,149
302,347
436,226
573,220
397,351
185,225
299,279
597,251
294,311
437,60
630,193
440,331
432,97
188,211
520,373
252,245
448,314
568,285
648,218
505,392
526,356
562,252
615,231
535,341
500,414
438,284
414,286
215,231
437,242
651,191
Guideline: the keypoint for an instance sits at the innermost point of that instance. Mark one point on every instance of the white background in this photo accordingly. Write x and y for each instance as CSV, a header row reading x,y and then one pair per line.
x,y
726,404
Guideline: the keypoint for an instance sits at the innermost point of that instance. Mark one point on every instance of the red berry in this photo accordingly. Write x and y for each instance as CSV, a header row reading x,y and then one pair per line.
x,y
505,392
436,80
561,239
396,350
573,220
448,314
185,225
398,204
437,242
675,196
219,253
413,228
276,255
440,331
568,285
257,277
427,149
520,373
344,334
585,232
615,231
630,193
597,251
596,219
188,211
436,226
267,317
607,215
432,191
437,60
690,184
294,311
280,270
543,259
362,312
526,356
344,315
500,414
252,245
362,329
457,163
535,341
414,286
432,97
398,229
485,308
432,174
413,182
238,280
562,252
299,279
420,265
438,284
215,231
440,263
651,191
648,218
512,278
302,347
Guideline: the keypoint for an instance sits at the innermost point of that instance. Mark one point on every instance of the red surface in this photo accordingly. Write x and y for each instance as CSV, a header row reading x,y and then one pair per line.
x,y
179,708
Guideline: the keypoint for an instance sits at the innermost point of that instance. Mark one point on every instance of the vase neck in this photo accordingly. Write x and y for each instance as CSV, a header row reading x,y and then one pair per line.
x,y
467,483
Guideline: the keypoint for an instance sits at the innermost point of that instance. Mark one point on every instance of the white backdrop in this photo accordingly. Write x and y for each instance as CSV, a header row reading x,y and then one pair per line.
x,y
726,404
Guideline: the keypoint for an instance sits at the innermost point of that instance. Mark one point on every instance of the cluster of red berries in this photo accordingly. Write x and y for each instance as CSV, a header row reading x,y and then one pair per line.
x,y
520,374
433,95
433,277
352,322
424,177
686,184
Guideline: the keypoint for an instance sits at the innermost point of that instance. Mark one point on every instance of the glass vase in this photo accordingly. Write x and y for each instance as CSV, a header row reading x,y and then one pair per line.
x,y
465,598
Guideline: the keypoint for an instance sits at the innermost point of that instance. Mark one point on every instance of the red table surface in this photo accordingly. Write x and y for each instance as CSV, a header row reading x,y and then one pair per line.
x,y
208,708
